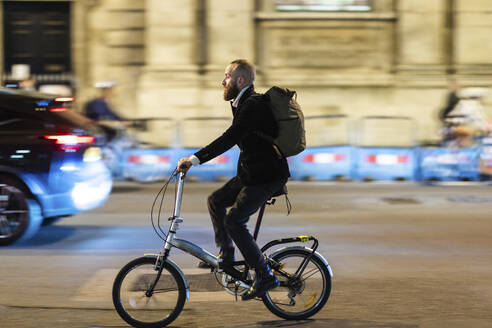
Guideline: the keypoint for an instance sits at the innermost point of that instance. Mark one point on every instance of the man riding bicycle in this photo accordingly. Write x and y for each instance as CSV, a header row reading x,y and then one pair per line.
x,y
464,118
261,172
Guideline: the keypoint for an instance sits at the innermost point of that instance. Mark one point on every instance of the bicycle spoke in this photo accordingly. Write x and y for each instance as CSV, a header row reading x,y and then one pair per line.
x,y
283,274
165,290
310,274
306,292
284,304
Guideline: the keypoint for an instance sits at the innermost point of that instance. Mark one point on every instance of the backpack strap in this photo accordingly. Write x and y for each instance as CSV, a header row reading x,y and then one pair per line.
x,y
266,98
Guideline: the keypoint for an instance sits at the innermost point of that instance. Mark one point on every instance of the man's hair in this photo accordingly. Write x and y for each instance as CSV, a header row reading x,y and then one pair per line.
x,y
245,68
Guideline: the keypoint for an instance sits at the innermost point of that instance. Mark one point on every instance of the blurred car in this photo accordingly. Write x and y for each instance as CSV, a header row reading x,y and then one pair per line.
x,y
50,163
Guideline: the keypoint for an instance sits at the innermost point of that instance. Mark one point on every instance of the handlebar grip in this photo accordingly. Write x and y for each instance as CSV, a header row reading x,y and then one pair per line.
x,y
183,166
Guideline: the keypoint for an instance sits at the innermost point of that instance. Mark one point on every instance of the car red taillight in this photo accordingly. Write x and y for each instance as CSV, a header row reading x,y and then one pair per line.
x,y
61,104
58,109
69,141
64,99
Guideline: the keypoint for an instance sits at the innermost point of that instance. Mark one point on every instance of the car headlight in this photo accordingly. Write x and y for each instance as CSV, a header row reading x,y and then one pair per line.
x,y
88,195
92,154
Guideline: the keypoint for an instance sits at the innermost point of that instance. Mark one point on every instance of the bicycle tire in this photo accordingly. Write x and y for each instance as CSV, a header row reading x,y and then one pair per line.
x,y
128,286
271,298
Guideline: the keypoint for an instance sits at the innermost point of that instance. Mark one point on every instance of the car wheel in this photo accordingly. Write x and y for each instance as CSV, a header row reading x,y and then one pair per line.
x,y
20,214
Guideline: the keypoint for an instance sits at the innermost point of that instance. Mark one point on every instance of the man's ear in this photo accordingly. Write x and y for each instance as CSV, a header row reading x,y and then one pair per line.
x,y
240,81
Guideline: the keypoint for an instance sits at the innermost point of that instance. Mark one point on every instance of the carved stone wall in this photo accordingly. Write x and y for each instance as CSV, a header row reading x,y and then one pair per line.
x,y
116,48
169,56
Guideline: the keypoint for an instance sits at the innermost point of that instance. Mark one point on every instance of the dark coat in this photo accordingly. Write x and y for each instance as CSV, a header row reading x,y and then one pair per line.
x,y
258,162
99,110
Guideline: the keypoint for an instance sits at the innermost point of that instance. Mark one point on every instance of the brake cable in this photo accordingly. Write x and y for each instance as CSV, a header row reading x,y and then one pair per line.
x,y
158,230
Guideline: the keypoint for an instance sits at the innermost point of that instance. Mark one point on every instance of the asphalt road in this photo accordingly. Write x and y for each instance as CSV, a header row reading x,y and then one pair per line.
x,y
402,255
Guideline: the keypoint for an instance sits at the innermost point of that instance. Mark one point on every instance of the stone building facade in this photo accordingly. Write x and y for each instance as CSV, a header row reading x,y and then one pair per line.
x,y
168,57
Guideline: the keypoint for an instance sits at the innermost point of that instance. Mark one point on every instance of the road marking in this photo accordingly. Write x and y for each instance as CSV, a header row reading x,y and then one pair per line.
x,y
98,288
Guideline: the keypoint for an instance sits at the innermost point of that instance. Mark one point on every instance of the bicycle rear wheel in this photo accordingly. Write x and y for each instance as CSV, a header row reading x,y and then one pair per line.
x,y
298,297
141,308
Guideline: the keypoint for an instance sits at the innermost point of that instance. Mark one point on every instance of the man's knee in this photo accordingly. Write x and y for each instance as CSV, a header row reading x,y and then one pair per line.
x,y
214,204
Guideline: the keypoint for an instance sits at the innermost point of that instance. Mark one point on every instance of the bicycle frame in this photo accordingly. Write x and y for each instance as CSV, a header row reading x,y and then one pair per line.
x,y
207,257
184,245
236,279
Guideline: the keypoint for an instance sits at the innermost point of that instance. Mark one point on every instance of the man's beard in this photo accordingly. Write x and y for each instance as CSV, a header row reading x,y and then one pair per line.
x,y
231,92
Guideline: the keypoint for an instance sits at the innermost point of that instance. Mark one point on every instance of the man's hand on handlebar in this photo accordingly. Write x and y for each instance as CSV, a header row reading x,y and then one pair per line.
x,y
184,165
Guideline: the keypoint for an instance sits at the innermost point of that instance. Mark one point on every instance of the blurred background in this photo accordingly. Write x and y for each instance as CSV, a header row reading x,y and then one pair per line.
x,y
368,73
392,90
352,57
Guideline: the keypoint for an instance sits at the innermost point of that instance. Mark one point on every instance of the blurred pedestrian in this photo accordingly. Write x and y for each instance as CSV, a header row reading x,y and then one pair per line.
x,y
99,109
113,125
464,118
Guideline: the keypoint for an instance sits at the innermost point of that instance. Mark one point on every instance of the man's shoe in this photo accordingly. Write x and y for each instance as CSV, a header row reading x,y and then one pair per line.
x,y
265,280
225,258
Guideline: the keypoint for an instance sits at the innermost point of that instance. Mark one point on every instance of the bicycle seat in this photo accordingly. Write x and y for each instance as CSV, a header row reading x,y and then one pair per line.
x,y
280,192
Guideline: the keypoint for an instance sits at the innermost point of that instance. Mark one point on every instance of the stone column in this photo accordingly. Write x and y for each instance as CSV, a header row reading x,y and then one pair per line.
x,y
124,39
169,84
422,40
230,33
473,41
117,31
80,49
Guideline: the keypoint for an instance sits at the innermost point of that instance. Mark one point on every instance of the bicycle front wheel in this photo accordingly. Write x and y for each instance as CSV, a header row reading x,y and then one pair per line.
x,y
298,296
138,304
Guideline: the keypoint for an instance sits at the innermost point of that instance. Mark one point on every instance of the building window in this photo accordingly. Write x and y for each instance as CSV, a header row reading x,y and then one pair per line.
x,y
323,5
37,35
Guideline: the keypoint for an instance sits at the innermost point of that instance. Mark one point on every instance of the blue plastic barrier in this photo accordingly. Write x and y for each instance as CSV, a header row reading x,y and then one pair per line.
x,y
329,155
486,162
220,168
446,164
148,164
381,157
196,132
380,163
322,163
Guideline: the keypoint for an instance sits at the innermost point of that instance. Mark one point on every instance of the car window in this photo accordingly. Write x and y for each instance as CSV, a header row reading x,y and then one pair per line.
x,y
6,117
14,121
